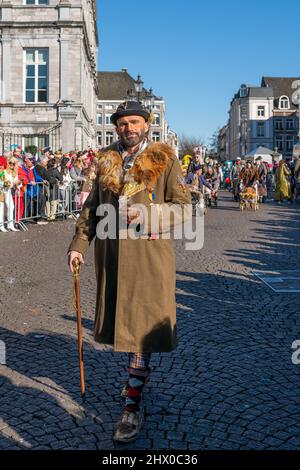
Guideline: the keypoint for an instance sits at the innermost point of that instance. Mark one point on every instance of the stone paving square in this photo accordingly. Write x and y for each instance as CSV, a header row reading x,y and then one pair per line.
x,y
281,281
231,383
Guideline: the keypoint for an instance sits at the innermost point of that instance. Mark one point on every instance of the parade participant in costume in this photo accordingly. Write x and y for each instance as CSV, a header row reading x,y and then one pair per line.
x,y
234,176
186,160
282,184
135,309
248,175
262,179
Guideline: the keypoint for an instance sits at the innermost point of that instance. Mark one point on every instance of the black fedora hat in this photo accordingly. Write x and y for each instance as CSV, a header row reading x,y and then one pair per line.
x,y
130,108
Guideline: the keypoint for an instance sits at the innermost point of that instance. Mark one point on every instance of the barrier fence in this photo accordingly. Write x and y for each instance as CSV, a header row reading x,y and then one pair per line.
x,y
39,201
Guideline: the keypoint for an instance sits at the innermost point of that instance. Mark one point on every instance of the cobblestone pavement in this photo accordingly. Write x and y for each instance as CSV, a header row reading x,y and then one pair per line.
x,y
230,384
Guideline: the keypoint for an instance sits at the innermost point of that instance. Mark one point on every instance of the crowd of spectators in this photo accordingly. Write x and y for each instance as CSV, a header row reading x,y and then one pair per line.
x,y
41,189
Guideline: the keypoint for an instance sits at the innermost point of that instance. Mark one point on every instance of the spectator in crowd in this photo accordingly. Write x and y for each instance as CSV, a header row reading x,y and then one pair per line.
x,y
76,171
3,165
35,198
11,176
54,179
65,187
41,167
78,178
90,175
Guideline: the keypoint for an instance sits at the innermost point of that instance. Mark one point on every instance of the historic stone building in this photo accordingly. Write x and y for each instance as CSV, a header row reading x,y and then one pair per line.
x,y
264,116
48,67
114,88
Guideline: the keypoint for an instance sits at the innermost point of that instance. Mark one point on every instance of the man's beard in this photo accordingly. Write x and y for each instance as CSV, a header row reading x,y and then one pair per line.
x,y
132,139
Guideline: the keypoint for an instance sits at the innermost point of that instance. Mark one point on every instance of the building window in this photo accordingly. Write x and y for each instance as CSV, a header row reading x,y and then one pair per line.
x,y
99,106
243,91
289,143
243,112
156,136
109,138
260,129
99,119
279,142
284,102
290,124
279,124
40,141
36,2
260,111
156,120
107,119
36,75
99,139
109,106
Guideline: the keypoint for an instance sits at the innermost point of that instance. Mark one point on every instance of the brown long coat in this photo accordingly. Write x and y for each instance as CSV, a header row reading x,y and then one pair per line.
x,y
135,305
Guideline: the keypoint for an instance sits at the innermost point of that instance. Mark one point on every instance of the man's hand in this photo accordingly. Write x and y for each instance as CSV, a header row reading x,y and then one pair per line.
x,y
134,215
71,256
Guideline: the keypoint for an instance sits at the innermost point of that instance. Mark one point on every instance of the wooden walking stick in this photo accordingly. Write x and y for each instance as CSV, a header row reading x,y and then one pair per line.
x,y
76,269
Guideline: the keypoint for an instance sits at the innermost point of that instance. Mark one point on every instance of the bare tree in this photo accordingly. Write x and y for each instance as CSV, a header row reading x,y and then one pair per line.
x,y
187,143
213,141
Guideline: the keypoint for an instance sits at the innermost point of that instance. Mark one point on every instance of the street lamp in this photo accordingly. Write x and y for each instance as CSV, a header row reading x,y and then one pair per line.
x,y
138,83
149,99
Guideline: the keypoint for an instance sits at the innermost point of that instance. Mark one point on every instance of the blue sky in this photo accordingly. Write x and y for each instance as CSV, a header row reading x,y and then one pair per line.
x,y
196,53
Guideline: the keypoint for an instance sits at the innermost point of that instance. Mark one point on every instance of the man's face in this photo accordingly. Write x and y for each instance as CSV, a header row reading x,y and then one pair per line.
x,y
28,163
132,130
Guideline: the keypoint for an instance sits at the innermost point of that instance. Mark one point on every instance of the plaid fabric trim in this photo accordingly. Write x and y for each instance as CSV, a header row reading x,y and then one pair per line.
x,y
139,361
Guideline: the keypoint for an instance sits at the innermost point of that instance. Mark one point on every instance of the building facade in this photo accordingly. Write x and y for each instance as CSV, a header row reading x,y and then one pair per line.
x,y
48,66
113,89
250,121
263,116
223,141
285,114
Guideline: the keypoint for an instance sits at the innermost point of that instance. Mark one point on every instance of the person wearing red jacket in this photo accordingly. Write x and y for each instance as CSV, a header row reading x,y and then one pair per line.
x,y
19,194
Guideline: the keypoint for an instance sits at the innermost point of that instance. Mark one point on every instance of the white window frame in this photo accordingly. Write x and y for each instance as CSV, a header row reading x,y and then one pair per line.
x,y
111,135
36,2
156,134
100,134
261,111
107,119
285,99
99,116
156,115
36,76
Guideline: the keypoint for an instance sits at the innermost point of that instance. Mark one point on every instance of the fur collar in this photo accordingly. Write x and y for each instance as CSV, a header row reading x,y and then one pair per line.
x,y
148,166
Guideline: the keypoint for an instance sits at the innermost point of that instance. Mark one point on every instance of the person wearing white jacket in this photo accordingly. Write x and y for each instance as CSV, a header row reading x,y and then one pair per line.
x,y
12,183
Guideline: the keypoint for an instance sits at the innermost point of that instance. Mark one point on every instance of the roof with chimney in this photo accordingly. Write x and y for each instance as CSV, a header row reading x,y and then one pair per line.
x,y
114,86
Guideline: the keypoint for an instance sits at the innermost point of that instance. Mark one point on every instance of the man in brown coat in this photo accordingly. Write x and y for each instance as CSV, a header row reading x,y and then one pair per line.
x,y
135,262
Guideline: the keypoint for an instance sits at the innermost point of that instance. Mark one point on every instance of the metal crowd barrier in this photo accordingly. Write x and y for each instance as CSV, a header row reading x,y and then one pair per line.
x,y
42,201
